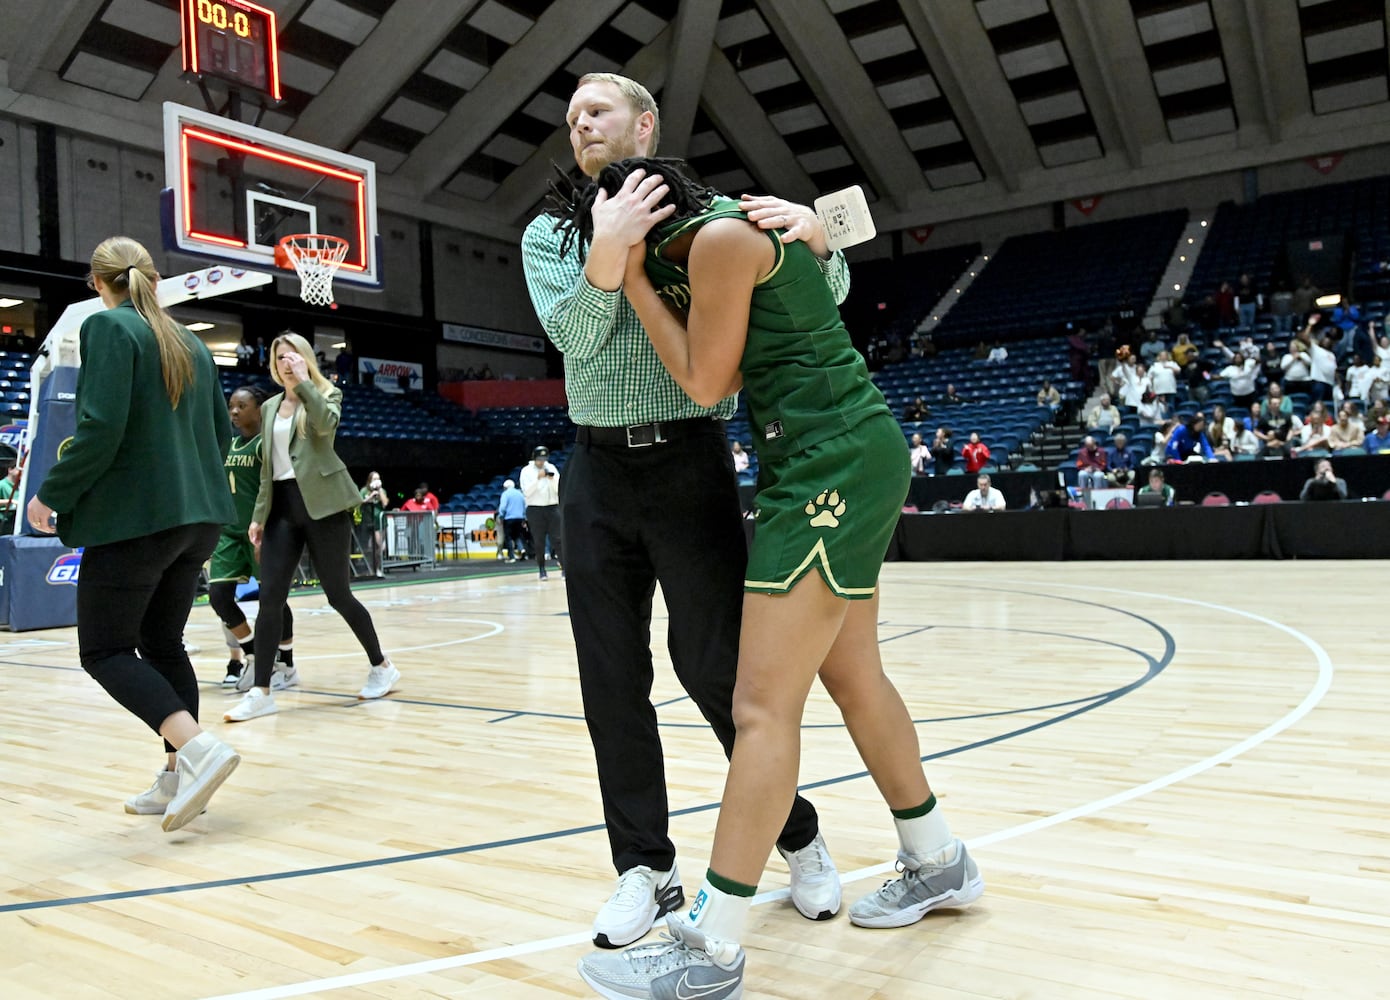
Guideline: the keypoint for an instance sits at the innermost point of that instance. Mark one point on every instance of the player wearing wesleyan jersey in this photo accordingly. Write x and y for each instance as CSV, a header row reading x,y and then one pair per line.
x,y
721,301
234,559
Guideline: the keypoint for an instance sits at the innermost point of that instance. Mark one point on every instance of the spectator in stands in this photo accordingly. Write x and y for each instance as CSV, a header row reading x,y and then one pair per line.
x,y
1311,435
1158,454
1221,431
1133,378
1197,373
1189,443
1360,377
1184,351
375,500
953,398
540,484
1246,441
511,511
245,356
304,502
1090,464
485,372
1151,348
1281,308
1345,433
919,454
1242,372
1322,368
997,354
1275,428
1119,461
740,457
262,354
1152,410
975,452
1324,484
1297,362
1305,296
1247,301
345,365
1378,441
1276,401
9,486
983,497
1226,314
1382,348
1157,485
1271,363
1163,378
1104,417
1079,357
981,351
916,411
1049,396
422,500
943,452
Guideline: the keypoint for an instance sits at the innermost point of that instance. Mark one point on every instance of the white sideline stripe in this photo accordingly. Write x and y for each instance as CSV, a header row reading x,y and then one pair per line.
x,y
496,627
1309,702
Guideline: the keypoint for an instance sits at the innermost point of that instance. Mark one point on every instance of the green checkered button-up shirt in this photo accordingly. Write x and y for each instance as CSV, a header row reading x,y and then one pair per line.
x,y
613,376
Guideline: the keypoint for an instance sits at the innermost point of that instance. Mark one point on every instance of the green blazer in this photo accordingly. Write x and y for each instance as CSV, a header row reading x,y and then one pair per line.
x,y
135,465
323,479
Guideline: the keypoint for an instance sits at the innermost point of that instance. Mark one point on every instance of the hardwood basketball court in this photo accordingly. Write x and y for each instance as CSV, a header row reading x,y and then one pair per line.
x,y
1172,776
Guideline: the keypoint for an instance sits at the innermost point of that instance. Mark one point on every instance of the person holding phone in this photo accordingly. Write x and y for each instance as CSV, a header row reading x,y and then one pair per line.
x,y
540,485
375,500
304,501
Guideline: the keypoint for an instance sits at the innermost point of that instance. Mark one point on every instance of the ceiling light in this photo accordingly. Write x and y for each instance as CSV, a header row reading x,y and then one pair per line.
x,y
6,303
200,327
224,360
340,347
1177,288
1183,259
1204,223
1329,301
1190,241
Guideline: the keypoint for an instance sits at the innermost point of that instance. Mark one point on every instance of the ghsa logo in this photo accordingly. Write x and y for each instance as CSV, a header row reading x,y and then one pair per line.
x,y
13,435
65,569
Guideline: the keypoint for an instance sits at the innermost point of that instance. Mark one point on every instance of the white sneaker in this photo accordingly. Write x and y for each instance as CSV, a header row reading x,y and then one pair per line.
x,y
642,896
154,801
233,674
815,880
283,677
380,681
253,705
248,674
202,765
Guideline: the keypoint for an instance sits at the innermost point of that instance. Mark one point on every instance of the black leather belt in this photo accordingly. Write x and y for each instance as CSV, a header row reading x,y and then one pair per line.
x,y
648,435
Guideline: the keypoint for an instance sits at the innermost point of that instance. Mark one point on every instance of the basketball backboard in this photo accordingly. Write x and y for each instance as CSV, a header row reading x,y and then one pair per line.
x,y
233,190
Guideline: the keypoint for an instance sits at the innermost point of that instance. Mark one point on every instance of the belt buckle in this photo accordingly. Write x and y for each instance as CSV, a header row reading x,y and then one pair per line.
x,y
644,435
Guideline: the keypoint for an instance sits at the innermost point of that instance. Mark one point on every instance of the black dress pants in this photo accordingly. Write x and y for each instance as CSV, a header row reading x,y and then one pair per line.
x,y
635,517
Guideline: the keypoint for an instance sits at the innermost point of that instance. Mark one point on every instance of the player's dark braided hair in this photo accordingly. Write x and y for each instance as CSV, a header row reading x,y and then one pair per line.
x,y
257,392
572,203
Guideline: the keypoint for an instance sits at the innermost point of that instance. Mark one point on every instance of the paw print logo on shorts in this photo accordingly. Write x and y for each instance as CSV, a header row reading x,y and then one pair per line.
x,y
826,510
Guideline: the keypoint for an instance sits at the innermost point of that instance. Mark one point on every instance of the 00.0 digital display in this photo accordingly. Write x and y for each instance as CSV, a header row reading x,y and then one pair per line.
x,y
232,40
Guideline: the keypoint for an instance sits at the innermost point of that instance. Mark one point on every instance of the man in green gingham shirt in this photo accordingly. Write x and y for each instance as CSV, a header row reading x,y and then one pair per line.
x,y
649,496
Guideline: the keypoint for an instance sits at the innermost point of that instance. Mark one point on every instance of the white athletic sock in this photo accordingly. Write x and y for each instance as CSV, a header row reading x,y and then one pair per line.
x,y
720,915
925,836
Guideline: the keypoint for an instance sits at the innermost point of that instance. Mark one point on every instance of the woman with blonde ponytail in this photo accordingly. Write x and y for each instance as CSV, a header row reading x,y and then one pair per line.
x,y
140,485
305,499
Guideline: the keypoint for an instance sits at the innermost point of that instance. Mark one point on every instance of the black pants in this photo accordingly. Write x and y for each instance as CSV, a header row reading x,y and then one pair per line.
x,y
136,595
544,523
513,526
288,529
222,598
635,517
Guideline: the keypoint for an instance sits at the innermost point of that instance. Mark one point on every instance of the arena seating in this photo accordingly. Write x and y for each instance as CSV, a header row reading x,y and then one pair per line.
x,y
906,289
14,385
1034,284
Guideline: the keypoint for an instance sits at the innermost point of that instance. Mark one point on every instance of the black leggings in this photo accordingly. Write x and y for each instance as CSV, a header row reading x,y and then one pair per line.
x,y
288,529
222,598
136,595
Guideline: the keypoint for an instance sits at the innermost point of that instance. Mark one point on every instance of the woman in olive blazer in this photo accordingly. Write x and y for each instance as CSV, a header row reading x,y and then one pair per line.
x,y
140,485
306,498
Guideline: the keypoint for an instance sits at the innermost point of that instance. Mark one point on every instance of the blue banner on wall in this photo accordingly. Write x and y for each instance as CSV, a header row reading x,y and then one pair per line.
x,y
57,422
38,583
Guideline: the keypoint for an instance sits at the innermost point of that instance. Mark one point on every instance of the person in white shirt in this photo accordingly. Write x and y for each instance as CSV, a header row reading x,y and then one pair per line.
x,y
540,484
1245,441
984,497
1297,364
1163,376
1360,375
740,457
1104,417
1322,369
920,455
1134,382
1152,411
997,355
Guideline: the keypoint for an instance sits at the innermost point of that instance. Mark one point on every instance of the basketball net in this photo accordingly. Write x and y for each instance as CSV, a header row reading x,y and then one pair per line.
x,y
315,258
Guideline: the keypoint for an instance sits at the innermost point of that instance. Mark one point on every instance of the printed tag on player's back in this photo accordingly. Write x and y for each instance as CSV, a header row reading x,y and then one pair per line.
x,y
845,216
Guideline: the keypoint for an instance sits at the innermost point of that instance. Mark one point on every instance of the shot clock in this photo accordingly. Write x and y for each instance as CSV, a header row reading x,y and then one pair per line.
x,y
234,41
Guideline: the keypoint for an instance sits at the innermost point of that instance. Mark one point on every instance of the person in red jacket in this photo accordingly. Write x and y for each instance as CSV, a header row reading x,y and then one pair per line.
x,y
975,453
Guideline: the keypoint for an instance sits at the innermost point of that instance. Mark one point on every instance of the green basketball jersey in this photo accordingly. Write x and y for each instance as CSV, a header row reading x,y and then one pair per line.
x,y
802,378
243,467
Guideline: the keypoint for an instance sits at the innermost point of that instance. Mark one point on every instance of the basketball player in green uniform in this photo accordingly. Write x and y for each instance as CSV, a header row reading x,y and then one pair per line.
x,y
726,303
234,559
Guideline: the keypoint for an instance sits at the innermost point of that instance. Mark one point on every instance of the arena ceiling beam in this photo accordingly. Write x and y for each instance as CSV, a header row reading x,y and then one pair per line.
x,y
692,43
1263,46
42,34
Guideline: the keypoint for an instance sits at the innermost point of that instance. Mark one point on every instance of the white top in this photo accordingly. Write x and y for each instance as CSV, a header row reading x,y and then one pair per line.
x,y
280,465
1243,374
975,500
1164,375
1296,366
540,491
1324,365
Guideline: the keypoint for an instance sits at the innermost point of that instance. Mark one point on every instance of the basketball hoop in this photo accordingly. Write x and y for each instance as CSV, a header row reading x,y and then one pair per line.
x,y
315,258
